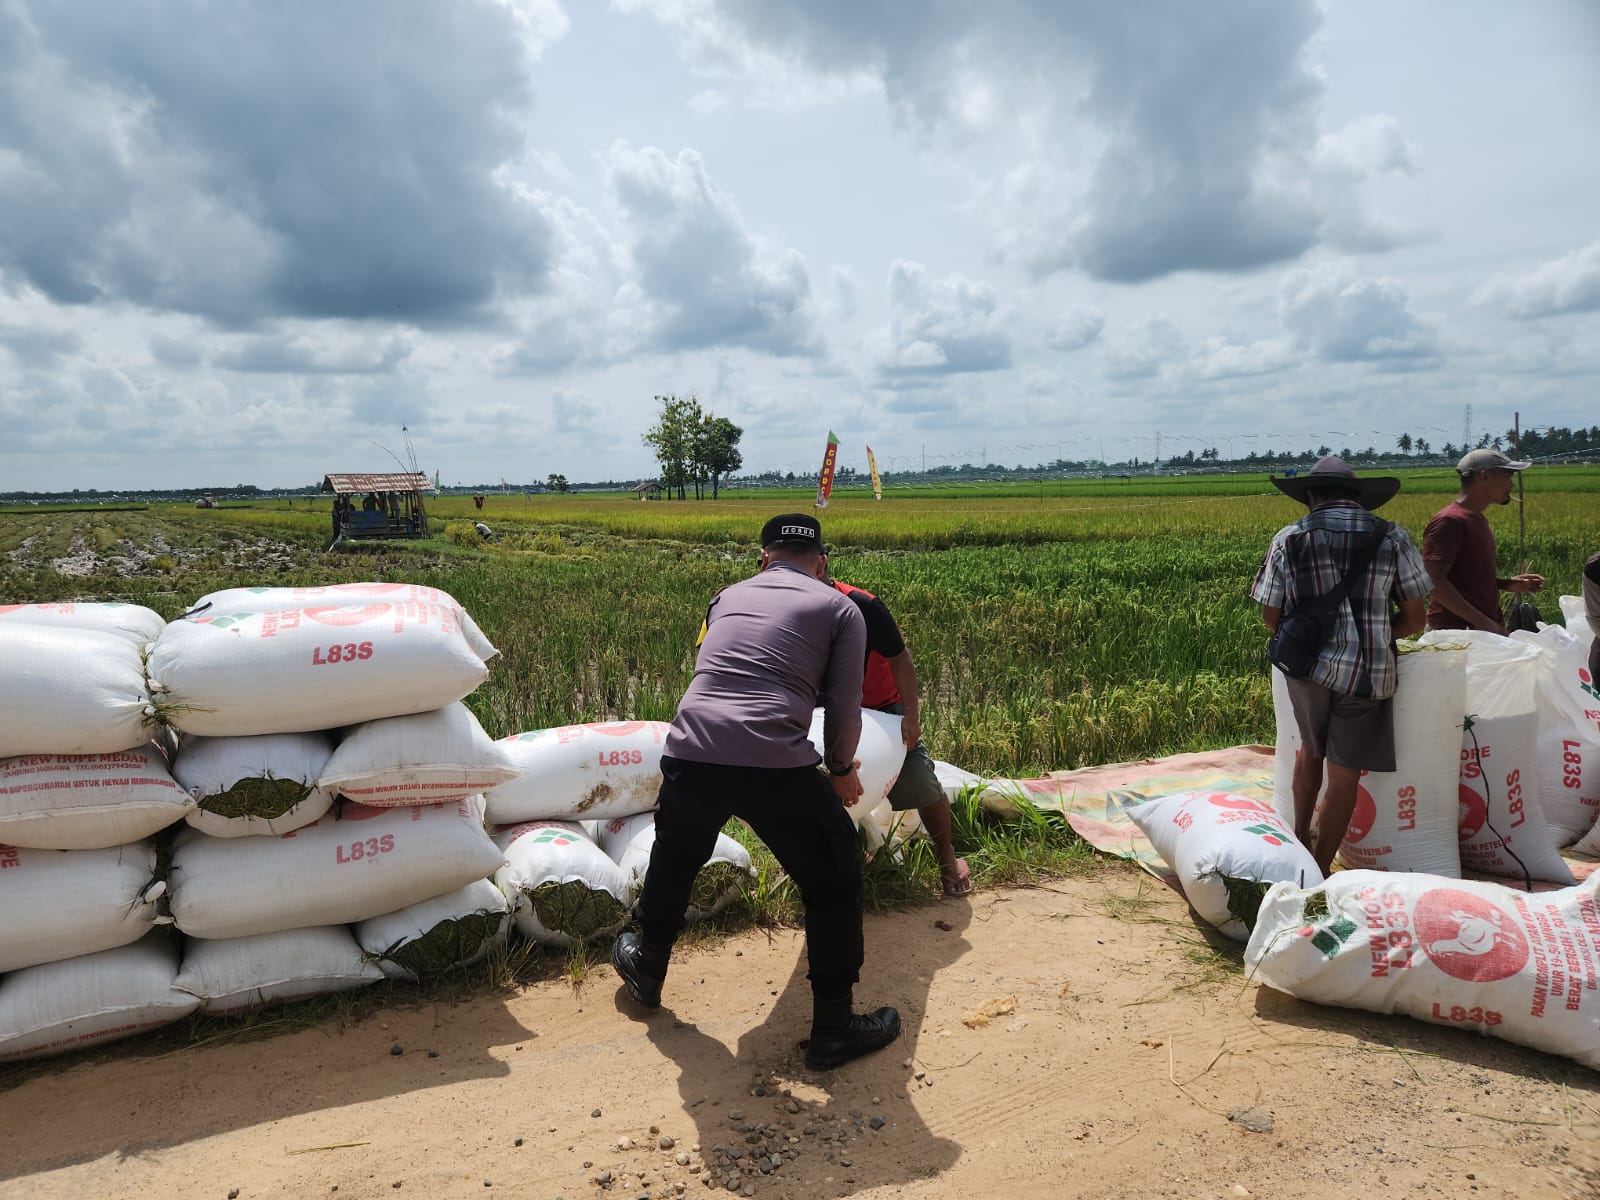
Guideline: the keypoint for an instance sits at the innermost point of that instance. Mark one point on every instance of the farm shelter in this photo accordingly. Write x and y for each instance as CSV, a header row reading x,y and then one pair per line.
x,y
650,489
378,506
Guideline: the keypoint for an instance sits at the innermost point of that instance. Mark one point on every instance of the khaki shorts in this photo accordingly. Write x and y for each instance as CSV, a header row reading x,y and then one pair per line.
x,y
1349,731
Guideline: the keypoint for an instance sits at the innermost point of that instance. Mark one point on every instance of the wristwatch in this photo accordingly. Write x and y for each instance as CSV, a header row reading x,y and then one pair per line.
x,y
841,771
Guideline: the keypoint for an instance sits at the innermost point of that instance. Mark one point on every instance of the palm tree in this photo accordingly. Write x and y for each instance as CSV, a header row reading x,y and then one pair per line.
x,y
1404,442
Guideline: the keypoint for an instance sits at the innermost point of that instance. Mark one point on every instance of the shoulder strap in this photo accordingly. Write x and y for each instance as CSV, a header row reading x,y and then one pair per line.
x,y
1360,559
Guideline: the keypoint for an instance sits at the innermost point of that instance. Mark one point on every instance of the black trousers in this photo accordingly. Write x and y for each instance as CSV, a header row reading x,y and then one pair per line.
x,y
798,815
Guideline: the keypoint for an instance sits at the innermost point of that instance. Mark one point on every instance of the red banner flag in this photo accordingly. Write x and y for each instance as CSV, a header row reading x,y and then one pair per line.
x,y
825,483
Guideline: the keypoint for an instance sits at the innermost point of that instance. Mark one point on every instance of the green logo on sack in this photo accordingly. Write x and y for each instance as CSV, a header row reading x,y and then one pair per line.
x,y
1330,938
1269,834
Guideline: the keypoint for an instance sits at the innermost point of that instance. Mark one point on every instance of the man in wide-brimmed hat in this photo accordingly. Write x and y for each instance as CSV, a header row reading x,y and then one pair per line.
x,y
1344,707
1458,547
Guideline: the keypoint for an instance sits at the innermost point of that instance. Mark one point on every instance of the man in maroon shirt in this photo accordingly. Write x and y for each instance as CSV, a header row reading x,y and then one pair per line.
x,y
1458,547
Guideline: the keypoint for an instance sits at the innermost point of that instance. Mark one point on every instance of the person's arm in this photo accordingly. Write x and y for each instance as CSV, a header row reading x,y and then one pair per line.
x,y
1413,615
1526,582
1271,614
841,702
905,682
1450,598
1268,588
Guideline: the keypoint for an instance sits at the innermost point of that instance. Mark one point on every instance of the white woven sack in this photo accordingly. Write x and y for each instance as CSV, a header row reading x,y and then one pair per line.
x,y
88,801
94,998
277,767
628,842
1576,620
880,752
70,691
313,668
131,622
1481,956
63,903
1502,823
1405,819
235,975
565,887
368,862
1569,732
1217,839
427,758
581,772
280,599
954,780
454,930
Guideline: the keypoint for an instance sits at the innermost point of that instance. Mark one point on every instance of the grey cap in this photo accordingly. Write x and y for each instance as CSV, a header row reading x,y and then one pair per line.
x,y
1488,460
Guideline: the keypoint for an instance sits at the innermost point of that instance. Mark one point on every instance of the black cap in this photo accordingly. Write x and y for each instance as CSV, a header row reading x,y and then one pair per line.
x,y
793,529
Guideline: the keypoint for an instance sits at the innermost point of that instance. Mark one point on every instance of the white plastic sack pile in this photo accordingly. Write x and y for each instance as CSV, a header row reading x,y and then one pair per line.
x,y
1502,823
566,888
368,862
70,691
282,599
1525,968
427,758
131,622
57,904
274,773
1569,732
436,935
235,975
88,801
93,998
1405,819
1223,846
581,772
1576,620
880,752
313,668
628,842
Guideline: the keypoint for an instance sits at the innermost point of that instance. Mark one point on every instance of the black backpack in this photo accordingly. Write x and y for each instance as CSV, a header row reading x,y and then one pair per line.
x,y
1306,628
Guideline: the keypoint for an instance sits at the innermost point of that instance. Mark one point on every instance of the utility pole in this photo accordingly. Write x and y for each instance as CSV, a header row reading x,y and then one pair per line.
x,y
1466,428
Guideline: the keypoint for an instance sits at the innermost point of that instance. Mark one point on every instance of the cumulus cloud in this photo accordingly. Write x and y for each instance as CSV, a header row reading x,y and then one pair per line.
x,y
1143,350
1340,318
315,353
942,326
708,280
1219,358
573,411
1077,329
296,159
1569,284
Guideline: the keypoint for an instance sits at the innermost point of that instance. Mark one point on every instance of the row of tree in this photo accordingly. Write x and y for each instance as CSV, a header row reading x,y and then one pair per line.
x,y
693,446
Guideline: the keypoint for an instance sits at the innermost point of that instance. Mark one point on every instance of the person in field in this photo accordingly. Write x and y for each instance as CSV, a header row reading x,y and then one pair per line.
x,y
740,746
890,685
1591,610
1344,710
1458,547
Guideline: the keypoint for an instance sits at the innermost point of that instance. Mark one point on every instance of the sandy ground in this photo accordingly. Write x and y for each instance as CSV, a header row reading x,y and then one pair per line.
x,y
1114,1076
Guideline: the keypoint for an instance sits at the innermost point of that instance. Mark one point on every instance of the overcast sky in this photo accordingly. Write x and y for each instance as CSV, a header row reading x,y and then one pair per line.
x,y
244,242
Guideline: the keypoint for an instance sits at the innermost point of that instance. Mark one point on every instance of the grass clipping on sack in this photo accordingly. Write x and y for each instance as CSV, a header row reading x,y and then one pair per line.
x,y
717,882
1244,898
575,909
448,945
262,797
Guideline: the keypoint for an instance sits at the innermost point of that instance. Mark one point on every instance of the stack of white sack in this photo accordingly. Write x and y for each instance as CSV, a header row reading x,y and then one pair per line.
x,y
1405,819
580,772
70,689
1480,956
565,889
628,841
267,784
1569,733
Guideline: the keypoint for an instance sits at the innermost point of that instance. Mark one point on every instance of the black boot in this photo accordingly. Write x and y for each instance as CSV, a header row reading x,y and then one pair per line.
x,y
838,1035
642,968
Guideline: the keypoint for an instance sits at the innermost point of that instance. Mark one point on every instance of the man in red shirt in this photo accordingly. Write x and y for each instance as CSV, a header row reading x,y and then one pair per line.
x,y
1458,547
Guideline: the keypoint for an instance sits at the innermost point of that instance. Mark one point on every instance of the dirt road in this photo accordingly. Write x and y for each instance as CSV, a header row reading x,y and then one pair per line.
x,y
1110,1069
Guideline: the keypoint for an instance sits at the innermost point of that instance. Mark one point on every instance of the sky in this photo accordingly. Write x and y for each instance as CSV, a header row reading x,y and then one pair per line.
x,y
249,243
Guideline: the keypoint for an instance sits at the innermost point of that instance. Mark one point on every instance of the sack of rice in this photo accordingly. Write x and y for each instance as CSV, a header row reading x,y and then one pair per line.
x,y
437,935
1575,619
264,785
280,599
565,888
427,758
1227,850
235,975
64,903
880,752
366,862
628,841
593,772
93,998
1502,823
954,780
1569,732
88,801
1480,956
70,691
132,622
311,668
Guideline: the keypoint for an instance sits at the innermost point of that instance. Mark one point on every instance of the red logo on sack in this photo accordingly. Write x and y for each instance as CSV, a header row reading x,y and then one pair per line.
x,y
1474,812
1245,803
1469,938
1363,818
347,615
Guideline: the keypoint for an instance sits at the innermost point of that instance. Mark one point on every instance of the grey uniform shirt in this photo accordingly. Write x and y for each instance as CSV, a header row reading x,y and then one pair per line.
x,y
775,644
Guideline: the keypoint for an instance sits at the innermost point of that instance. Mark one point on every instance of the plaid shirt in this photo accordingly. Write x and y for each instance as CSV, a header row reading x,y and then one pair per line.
x,y
1309,558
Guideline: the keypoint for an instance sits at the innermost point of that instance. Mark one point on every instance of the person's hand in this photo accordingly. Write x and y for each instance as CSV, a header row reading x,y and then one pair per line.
x,y
848,787
1527,582
910,731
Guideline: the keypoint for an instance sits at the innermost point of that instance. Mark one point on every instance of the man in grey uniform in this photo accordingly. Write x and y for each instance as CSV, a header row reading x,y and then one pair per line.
x,y
739,746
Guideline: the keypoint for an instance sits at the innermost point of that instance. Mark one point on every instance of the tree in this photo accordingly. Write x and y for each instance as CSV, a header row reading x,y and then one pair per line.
x,y
556,483
1404,443
1422,447
719,449
674,437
